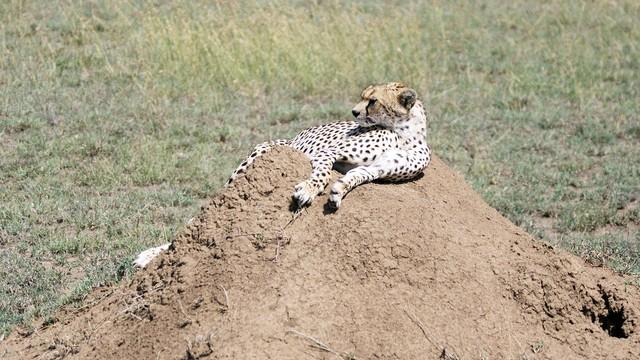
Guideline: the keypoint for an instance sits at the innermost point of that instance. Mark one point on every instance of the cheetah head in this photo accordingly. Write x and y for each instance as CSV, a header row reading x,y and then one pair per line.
x,y
384,104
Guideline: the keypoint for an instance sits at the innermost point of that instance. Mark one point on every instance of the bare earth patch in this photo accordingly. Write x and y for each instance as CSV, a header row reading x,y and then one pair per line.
x,y
424,269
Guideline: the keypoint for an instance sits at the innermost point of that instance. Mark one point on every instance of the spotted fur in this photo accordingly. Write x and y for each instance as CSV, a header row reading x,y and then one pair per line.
x,y
386,141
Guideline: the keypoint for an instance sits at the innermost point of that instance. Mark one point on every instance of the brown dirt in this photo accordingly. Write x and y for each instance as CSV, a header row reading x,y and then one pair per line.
x,y
419,270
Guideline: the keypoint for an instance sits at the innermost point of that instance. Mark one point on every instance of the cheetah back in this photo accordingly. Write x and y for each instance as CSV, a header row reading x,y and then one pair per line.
x,y
352,143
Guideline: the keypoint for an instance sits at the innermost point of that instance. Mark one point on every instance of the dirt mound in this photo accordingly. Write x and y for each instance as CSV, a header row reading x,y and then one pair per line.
x,y
412,271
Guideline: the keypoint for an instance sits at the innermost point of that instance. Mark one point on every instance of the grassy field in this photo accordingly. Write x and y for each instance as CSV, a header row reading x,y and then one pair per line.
x,y
119,118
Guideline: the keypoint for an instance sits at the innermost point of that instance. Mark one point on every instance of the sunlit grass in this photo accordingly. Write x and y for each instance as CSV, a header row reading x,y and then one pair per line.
x,y
562,49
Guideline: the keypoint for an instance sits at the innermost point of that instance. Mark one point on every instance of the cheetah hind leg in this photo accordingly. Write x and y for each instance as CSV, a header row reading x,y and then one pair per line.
x,y
257,151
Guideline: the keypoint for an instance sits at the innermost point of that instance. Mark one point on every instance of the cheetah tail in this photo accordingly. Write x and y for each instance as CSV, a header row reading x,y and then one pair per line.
x,y
257,152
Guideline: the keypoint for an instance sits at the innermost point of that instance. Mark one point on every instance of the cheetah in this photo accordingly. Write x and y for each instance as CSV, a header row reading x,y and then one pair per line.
x,y
386,141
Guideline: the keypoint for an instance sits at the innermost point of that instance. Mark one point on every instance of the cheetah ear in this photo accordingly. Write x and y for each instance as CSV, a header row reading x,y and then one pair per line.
x,y
407,98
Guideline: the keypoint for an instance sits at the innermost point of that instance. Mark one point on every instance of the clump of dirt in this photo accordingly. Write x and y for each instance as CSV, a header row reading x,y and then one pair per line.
x,y
424,269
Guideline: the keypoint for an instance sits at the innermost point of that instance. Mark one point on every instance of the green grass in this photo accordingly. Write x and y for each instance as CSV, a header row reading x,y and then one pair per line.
x,y
118,118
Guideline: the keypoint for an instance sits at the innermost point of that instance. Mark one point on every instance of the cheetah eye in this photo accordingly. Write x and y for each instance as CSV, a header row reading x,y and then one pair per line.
x,y
372,101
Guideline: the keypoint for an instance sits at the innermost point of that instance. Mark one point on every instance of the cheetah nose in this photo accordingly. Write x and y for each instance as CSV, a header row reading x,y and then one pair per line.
x,y
355,113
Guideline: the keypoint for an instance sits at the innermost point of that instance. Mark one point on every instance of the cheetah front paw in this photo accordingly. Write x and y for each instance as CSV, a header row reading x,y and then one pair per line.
x,y
305,192
338,191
